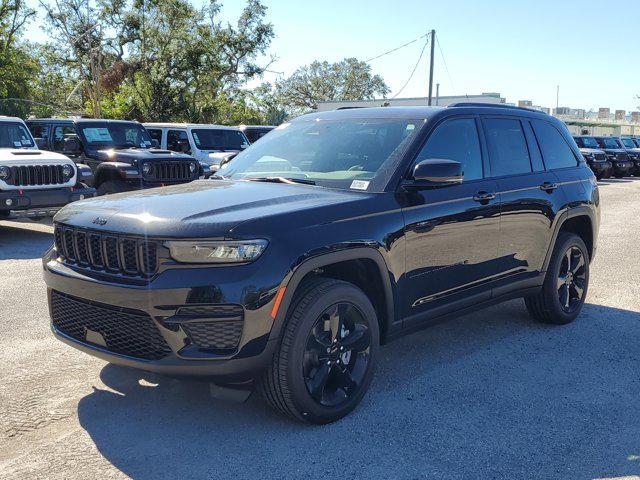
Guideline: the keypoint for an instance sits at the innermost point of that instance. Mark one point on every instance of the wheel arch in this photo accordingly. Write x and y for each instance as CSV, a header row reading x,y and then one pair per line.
x,y
114,171
581,221
349,265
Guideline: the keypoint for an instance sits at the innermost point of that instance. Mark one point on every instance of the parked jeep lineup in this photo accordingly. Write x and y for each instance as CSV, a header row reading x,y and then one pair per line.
x,y
333,234
118,152
34,183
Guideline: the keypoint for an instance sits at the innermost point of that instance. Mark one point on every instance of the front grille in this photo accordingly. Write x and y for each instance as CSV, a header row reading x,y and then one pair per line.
x,y
170,171
623,156
28,175
127,332
213,327
600,156
106,253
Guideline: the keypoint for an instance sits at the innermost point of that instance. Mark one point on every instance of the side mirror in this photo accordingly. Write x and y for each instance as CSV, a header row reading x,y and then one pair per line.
x,y
40,143
71,146
436,172
155,143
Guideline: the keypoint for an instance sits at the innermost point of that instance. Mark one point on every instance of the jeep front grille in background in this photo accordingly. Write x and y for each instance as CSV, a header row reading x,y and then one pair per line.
x,y
107,253
25,176
127,332
170,171
213,327
600,156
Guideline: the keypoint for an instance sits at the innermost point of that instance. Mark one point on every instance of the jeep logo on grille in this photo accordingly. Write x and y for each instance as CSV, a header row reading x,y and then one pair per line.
x,y
99,221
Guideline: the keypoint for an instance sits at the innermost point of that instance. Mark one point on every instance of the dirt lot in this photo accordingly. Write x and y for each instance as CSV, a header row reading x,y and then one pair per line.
x,y
488,395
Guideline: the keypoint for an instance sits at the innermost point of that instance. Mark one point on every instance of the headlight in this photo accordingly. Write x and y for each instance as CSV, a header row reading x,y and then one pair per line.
x,y
146,168
216,252
67,171
5,173
192,167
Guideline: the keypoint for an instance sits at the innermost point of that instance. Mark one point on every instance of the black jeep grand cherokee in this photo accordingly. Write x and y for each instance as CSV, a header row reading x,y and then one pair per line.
x,y
335,233
119,153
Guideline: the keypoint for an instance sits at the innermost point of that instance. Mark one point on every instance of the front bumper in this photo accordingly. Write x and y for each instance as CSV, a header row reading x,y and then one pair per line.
x,y
600,169
622,168
160,302
40,203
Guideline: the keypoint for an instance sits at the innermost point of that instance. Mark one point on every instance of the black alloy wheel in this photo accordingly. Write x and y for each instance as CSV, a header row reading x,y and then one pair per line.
x,y
571,279
336,355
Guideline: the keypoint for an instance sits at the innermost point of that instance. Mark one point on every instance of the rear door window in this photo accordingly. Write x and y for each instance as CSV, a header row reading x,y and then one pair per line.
x,y
556,152
508,151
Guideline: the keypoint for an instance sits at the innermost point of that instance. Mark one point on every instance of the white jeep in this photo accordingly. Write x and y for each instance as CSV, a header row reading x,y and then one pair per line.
x,y
35,183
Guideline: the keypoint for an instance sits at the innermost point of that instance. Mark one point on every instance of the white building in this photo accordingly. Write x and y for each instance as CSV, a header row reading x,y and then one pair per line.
x,y
491,97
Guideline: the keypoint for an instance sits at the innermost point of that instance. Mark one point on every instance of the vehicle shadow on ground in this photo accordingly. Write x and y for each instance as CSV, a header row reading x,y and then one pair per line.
x,y
488,395
612,181
23,243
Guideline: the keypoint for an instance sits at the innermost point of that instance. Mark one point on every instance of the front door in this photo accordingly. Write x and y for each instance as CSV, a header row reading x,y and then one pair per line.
x,y
452,232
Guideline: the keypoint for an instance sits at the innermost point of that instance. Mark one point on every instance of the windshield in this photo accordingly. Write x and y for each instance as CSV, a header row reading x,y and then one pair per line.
x,y
116,135
348,153
14,135
627,142
610,143
219,139
589,142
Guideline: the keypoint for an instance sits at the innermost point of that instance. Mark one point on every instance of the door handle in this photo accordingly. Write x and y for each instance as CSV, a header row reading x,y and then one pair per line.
x,y
548,186
484,196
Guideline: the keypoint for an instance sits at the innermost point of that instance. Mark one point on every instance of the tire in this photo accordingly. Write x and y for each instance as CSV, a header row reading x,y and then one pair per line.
x,y
560,301
292,384
112,186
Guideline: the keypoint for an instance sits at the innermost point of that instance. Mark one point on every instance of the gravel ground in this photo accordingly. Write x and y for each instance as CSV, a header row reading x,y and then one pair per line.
x,y
488,395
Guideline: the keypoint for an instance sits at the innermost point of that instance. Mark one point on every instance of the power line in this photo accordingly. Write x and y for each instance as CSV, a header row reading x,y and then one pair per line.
x,y
445,64
396,49
414,68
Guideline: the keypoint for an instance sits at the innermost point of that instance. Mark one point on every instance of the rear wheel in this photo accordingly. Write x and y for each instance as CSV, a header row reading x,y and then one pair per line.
x,y
112,186
325,362
565,285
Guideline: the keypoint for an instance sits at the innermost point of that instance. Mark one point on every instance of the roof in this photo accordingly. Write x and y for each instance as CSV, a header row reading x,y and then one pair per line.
x,y
188,125
4,118
77,120
242,127
423,112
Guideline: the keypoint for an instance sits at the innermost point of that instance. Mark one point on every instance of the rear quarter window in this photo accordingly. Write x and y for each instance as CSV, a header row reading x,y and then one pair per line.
x,y
555,150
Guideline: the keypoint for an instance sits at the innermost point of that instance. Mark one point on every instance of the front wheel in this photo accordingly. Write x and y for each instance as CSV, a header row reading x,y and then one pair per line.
x,y
326,358
566,282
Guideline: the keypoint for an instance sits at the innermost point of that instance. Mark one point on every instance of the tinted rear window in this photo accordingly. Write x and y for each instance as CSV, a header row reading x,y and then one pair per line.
x,y
507,147
556,152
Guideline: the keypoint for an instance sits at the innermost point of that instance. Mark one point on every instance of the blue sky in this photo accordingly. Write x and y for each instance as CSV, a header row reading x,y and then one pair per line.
x,y
521,49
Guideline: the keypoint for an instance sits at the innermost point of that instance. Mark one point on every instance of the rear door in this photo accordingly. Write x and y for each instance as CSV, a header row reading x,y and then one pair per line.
x,y
530,197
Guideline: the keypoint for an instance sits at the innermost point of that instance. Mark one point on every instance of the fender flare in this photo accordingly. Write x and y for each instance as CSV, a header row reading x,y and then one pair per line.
x,y
294,278
581,211
121,170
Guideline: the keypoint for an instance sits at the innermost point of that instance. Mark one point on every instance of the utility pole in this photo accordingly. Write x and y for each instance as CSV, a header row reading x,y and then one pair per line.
x,y
433,41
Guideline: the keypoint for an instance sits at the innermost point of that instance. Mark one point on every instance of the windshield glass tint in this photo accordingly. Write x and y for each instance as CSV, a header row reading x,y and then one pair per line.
x,y
610,143
219,139
332,153
119,135
589,142
14,135
627,142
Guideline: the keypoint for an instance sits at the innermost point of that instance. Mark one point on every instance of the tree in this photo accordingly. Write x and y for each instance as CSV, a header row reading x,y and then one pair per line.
x,y
349,79
17,67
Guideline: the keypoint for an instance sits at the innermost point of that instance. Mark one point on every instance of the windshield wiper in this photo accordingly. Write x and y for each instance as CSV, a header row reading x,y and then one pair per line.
x,y
281,180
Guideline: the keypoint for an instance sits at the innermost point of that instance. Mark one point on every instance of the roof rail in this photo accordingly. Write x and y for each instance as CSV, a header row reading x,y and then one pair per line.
x,y
492,105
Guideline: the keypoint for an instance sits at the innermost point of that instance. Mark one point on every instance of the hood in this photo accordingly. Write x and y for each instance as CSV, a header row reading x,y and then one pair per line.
x,y
591,150
204,208
130,155
32,157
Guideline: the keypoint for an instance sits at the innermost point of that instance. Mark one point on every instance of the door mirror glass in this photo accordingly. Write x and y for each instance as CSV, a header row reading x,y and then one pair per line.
x,y
437,172
71,146
41,143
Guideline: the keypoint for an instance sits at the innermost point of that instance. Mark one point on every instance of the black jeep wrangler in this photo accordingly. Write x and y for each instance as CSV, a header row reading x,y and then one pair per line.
x,y
335,233
119,153
617,155
633,150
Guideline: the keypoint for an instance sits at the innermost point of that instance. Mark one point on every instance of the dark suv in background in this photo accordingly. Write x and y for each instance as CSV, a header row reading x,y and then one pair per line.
x,y
119,153
632,148
617,155
594,156
331,235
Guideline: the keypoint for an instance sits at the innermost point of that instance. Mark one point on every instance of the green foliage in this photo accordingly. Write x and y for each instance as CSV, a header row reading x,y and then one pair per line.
x,y
349,79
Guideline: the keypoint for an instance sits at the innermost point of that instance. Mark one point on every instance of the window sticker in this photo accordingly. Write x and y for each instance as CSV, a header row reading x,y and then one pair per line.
x,y
97,135
26,141
359,185
17,144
